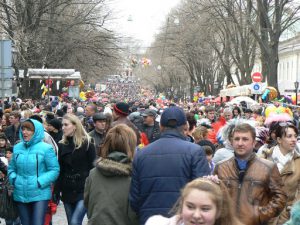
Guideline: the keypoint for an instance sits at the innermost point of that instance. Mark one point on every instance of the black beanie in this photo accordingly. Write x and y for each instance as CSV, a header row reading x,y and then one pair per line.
x,y
122,108
56,123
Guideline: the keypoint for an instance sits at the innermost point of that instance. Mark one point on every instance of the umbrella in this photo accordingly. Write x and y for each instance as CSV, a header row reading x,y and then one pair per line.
x,y
103,94
249,101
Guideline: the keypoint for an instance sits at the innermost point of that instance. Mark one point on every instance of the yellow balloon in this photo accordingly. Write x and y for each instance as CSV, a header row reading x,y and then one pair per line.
x,y
82,95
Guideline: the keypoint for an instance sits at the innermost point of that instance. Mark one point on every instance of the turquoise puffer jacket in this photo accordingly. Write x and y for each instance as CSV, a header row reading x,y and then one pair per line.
x,y
33,167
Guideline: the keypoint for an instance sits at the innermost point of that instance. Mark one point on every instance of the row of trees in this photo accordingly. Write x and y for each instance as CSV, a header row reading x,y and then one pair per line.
x,y
60,34
217,38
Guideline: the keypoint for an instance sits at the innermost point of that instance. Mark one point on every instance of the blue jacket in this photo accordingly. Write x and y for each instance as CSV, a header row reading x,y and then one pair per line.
x,y
33,167
161,170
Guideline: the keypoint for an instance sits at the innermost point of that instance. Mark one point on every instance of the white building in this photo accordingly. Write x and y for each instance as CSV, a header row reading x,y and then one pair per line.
x,y
289,64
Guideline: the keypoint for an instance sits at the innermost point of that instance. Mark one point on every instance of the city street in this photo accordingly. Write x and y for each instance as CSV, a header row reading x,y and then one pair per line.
x,y
58,219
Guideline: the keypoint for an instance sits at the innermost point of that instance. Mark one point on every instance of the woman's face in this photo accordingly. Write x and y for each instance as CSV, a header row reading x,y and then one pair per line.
x,y
2,143
235,113
289,141
68,128
198,208
27,133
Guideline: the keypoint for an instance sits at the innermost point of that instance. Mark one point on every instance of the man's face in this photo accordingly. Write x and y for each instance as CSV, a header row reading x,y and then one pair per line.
x,y
227,116
50,128
13,120
148,120
243,144
211,115
100,125
247,115
89,111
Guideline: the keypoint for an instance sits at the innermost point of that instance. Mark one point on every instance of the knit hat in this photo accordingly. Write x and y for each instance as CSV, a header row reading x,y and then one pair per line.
x,y
56,123
28,124
122,108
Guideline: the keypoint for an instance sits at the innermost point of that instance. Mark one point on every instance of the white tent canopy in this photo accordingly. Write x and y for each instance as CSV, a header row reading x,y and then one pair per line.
x,y
54,74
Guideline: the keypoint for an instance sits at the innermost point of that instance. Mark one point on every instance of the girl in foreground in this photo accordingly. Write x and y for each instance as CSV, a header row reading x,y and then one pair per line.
x,y
203,201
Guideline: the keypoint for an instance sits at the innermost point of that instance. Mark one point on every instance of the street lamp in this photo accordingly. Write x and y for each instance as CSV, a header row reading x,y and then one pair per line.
x,y
296,83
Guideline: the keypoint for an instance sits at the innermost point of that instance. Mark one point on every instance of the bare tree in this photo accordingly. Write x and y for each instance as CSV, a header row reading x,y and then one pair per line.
x,y
60,33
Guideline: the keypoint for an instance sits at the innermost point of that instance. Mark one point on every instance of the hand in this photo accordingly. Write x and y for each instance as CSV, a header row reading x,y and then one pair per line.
x,y
56,198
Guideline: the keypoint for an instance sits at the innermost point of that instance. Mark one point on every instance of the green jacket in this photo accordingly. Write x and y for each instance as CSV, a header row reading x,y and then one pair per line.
x,y
106,192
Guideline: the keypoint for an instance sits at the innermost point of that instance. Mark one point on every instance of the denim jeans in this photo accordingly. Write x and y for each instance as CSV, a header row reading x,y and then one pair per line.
x,y
13,222
75,212
32,213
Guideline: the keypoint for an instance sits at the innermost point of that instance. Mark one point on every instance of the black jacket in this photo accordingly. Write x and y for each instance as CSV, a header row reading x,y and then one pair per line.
x,y
3,167
75,165
12,134
153,133
98,138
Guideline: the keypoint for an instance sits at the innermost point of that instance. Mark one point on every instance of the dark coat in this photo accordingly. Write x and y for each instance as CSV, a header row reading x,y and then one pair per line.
x,y
98,139
3,167
12,134
161,170
106,192
152,134
75,166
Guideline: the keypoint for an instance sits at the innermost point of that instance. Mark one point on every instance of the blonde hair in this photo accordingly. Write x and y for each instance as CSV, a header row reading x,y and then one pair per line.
x,y
200,133
219,195
26,113
80,134
120,138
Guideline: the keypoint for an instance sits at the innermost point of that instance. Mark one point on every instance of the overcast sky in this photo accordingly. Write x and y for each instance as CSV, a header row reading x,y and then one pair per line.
x,y
147,17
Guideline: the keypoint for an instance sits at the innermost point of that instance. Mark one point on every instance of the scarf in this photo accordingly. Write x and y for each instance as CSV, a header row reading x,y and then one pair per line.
x,y
280,159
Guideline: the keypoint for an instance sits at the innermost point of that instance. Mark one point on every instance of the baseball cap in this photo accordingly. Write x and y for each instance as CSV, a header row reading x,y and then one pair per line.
x,y
173,113
149,112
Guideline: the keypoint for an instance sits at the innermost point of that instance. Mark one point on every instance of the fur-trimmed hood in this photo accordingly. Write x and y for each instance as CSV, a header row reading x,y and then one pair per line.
x,y
117,164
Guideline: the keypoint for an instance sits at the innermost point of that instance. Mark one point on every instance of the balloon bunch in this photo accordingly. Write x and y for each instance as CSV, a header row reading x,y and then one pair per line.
x,y
146,62
279,113
269,92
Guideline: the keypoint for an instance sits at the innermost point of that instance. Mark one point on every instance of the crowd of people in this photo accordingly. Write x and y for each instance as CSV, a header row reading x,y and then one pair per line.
x,y
141,162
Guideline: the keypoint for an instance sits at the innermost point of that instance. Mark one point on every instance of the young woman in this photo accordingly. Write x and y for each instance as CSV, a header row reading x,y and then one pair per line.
x,y
203,201
107,187
286,157
76,156
32,169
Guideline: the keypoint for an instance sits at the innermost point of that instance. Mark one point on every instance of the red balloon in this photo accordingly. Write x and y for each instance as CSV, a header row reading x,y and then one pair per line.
x,y
49,82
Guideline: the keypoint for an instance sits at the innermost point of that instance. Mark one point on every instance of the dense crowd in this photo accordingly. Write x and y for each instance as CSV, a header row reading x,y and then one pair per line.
x,y
144,162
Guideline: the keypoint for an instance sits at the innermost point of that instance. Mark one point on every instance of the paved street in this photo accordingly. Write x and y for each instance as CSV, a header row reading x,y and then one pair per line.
x,y
59,218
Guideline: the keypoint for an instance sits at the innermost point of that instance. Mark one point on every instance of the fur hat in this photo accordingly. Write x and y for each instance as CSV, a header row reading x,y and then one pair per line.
x,y
122,108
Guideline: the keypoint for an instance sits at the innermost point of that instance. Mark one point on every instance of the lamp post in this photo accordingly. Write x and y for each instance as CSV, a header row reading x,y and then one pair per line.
x,y
296,83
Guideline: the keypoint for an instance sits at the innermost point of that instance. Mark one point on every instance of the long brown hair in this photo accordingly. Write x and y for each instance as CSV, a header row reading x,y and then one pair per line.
x,y
120,138
220,197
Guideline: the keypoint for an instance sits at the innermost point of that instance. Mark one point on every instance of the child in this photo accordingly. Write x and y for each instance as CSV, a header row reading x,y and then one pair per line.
x,y
202,201
8,155
209,155
3,144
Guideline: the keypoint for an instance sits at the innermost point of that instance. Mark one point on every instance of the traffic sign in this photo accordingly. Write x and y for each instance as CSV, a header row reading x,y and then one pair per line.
x,y
256,88
256,77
